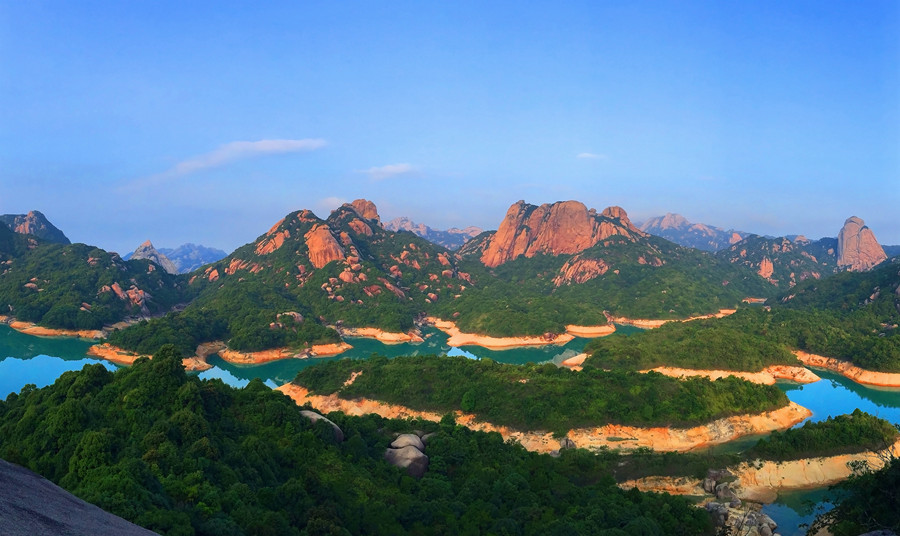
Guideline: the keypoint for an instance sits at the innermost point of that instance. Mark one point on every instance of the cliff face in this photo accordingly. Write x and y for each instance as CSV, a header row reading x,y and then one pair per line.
x,y
36,224
858,250
147,251
565,227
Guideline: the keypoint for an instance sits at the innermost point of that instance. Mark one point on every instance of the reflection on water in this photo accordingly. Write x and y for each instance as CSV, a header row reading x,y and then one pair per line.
x,y
836,395
30,362
41,370
794,511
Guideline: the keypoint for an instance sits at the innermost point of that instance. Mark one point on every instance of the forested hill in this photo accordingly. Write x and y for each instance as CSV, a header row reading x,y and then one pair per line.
x,y
854,316
184,456
77,286
304,274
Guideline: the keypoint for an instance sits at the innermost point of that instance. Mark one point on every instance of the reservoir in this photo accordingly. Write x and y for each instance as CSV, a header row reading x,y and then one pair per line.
x,y
26,359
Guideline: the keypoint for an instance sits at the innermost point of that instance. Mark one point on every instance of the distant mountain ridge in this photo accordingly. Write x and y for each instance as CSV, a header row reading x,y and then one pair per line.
x,y
147,251
453,238
188,257
784,262
678,229
36,224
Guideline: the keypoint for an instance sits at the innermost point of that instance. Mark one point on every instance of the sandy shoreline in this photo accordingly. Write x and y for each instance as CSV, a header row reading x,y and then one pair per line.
x,y
762,481
766,376
30,328
264,356
849,370
458,338
590,332
651,324
611,435
386,337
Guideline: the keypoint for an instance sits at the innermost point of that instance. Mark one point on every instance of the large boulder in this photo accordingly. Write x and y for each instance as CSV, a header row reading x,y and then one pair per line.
x,y
410,458
315,417
404,440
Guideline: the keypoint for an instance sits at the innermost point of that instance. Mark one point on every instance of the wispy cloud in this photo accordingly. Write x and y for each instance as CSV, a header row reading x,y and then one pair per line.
x,y
328,204
230,152
591,156
380,173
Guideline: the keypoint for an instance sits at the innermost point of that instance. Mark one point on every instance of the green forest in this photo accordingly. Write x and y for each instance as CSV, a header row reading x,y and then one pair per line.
x,y
844,434
540,397
183,456
700,344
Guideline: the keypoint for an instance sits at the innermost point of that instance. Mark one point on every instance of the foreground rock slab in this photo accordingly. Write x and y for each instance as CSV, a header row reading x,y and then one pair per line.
x,y
30,505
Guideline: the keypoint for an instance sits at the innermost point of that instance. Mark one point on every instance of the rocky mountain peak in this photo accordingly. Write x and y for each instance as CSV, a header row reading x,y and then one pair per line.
x,y
564,227
147,251
858,250
36,224
366,209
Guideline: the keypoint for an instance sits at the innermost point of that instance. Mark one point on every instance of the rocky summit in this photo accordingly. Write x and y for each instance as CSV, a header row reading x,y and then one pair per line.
x,y
858,250
36,224
564,227
147,251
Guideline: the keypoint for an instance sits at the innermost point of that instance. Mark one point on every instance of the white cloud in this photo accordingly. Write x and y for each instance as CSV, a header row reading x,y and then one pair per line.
x,y
380,173
328,204
592,156
230,152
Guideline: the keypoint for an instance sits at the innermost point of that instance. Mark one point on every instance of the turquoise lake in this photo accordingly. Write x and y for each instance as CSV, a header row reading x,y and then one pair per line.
x,y
25,359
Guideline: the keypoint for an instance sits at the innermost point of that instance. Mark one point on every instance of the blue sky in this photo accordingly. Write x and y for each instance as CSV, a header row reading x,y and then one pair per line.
x,y
208,122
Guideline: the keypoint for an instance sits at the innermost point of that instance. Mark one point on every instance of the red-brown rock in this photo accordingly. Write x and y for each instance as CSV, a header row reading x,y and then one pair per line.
x,y
858,250
323,246
565,227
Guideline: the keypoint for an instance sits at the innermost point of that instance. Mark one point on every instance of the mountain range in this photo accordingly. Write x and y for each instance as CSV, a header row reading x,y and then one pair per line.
x,y
544,267
181,260
452,239
678,229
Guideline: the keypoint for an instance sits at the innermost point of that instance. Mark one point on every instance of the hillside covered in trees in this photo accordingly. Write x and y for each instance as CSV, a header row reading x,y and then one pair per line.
x,y
183,456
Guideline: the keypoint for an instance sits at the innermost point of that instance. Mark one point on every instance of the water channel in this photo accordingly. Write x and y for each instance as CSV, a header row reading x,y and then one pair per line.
x,y
25,359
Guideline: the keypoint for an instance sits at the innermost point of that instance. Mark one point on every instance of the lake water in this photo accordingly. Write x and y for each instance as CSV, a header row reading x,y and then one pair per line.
x,y
37,360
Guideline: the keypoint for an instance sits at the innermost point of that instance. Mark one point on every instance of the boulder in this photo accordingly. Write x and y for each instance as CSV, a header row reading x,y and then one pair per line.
x,y
566,443
315,417
410,458
404,440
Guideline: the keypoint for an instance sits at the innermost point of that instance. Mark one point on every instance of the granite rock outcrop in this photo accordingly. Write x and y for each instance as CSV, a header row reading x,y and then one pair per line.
x,y
564,227
858,250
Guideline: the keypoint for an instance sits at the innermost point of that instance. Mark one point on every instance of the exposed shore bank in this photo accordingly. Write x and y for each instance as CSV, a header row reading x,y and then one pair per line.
x,y
767,376
761,481
386,337
30,328
611,435
849,370
651,324
458,338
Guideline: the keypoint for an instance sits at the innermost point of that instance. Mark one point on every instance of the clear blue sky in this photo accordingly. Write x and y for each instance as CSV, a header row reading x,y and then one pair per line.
x,y
207,122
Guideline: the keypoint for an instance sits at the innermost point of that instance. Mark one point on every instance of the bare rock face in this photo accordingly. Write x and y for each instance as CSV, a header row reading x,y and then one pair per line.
x,y
36,224
147,251
410,458
30,504
315,417
323,246
366,209
579,271
858,250
404,440
565,227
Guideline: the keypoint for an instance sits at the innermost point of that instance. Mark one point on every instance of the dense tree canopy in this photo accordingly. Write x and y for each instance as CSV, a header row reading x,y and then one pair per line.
x,y
183,456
